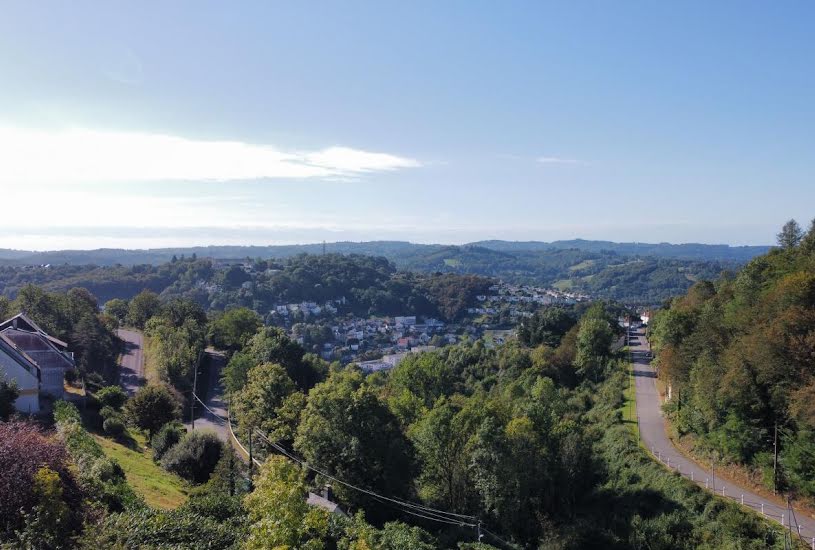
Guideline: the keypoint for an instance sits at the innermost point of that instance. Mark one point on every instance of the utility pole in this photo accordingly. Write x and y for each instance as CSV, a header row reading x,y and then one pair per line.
x,y
480,535
192,399
775,459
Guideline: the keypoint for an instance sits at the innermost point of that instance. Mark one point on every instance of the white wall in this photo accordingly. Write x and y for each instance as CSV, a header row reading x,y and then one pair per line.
x,y
27,383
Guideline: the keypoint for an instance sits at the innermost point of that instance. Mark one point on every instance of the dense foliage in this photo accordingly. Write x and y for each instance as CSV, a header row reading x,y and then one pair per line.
x,y
739,355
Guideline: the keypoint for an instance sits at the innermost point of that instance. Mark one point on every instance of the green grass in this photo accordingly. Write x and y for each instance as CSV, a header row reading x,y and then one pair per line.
x,y
582,265
563,285
452,262
629,408
159,488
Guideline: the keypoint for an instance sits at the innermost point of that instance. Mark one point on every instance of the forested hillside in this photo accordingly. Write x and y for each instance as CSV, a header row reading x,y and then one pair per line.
x,y
739,356
601,274
366,285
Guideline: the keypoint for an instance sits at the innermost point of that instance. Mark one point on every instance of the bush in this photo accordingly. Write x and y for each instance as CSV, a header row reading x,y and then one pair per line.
x,y
150,528
24,451
111,396
101,478
169,434
152,407
113,426
194,457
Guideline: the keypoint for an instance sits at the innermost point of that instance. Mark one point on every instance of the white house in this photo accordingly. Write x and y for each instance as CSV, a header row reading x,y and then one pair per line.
x,y
47,357
16,367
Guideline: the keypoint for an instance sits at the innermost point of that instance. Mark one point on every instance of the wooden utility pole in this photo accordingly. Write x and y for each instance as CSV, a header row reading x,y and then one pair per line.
x,y
192,398
775,459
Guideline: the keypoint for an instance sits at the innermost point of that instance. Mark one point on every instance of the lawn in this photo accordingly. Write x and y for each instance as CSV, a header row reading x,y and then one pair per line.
x,y
159,488
452,262
563,285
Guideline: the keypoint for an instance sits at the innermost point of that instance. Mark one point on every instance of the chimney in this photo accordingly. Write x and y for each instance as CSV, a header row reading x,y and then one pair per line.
x,y
328,493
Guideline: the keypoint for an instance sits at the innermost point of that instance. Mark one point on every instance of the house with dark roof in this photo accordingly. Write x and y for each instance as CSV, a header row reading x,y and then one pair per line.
x,y
37,352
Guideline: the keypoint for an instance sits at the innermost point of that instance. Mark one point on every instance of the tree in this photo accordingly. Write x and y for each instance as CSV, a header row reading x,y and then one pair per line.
x,y
808,242
111,396
346,430
236,372
142,307
441,438
257,404
117,308
593,346
228,476
790,235
233,329
8,395
152,407
272,345
278,514
194,457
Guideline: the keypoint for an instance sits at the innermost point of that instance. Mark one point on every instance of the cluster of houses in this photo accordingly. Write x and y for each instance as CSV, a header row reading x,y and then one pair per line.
x,y
385,335
34,360
521,300
309,309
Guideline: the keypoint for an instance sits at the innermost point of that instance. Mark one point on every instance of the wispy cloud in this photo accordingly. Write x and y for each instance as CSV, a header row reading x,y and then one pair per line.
x,y
557,160
88,156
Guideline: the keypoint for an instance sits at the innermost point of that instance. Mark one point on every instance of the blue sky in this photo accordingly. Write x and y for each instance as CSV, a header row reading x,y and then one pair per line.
x,y
178,123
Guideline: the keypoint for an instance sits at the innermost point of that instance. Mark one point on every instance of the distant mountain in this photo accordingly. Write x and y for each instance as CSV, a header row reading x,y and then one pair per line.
x,y
400,252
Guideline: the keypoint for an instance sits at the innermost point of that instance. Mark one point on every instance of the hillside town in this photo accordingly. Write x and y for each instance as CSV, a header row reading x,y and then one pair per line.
x,y
379,342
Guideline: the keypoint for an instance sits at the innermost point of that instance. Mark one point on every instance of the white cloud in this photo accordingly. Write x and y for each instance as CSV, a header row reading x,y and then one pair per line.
x,y
92,156
557,160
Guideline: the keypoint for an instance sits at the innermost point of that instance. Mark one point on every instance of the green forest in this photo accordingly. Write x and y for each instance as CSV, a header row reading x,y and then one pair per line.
x,y
738,354
523,444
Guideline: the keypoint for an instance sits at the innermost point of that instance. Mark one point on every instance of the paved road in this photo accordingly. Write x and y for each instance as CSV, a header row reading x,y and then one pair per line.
x,y
131,362
652,432
209,417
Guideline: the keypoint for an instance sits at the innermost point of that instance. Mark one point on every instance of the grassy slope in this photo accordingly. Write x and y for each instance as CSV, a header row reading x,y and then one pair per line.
x,y
158,488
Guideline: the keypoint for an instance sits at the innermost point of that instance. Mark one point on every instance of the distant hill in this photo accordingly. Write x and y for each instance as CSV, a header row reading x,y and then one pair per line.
x,y
400,252
634,273
687,251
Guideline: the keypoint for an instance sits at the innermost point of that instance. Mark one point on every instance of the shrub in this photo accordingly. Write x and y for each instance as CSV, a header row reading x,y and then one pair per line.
x,y
169,434
111,396
101,478
152,407
113,425
25,451
194,457
149,528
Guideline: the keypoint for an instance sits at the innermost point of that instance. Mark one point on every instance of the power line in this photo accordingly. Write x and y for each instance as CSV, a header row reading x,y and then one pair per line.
x,y
448,516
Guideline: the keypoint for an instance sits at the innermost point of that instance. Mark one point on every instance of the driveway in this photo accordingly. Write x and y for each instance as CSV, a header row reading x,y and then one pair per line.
x,y
652,432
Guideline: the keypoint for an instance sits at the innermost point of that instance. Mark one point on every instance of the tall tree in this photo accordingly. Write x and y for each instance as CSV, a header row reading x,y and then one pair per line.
x,y
349,432
790,235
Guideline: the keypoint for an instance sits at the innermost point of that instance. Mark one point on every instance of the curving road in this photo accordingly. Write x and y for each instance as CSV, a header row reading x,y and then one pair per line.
x,y
655,439
131,362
